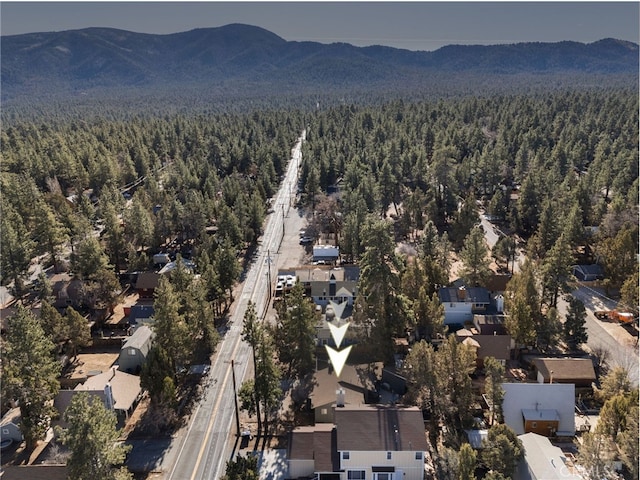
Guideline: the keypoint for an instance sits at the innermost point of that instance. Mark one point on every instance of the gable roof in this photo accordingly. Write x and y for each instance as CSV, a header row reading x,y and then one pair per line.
x,y
476,295
566,368
497,282
545,461
540,396
147,280
140,340
497,346
380,428
353,381
125,387
317,443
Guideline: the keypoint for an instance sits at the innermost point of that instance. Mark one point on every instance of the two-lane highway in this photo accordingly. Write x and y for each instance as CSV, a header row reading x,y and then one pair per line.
x,y
201,451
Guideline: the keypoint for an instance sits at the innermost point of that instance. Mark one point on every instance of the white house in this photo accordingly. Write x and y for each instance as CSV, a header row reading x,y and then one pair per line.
x,y
543,461
372,442
322,284
550,402
460,304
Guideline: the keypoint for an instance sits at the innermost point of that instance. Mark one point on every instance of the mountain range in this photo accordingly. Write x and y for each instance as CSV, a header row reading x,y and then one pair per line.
x,y
236,54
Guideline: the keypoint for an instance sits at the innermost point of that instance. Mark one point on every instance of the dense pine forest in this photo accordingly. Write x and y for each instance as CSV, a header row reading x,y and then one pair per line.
x,y
398,183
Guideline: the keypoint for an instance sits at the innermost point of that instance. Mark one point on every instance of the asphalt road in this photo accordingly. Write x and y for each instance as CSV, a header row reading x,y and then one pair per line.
x,y
202,450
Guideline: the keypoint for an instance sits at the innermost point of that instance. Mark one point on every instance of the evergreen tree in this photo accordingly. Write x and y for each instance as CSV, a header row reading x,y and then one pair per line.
x,y
575,331
474,257
29,374
503,450
92,437
79,331
494,377
295,332
466,462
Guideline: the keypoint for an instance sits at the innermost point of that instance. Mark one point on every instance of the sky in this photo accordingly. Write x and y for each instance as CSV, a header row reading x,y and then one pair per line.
x,y
410,25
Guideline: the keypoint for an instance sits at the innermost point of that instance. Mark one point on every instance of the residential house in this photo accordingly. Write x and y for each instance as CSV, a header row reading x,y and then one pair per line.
x,y
354,384
322,284
336,314
490,324
379,442
460,304
588,273
118,390
497,283
135,349
577,371
10,432
146,283
326,253
496,346
67,291
312,449
546,409
35,472
139,314
543,461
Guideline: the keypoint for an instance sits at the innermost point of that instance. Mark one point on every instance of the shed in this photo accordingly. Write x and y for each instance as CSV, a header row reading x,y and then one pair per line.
x,y
134,351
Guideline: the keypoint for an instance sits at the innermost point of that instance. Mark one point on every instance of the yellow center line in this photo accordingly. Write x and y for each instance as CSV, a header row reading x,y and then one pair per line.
x,y
211,419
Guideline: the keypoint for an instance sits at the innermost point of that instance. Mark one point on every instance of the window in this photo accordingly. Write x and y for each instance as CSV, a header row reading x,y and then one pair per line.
x,y
132,351
534,424
345,455
5,431
388,455
323,411
355,474
383,476
418,455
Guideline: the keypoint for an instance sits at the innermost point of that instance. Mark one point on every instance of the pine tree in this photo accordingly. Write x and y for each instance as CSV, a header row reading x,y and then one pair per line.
x,y
475,260
30,374
575,331
92,437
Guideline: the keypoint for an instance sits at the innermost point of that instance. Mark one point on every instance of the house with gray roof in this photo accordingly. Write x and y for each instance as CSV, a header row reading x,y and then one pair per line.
x,y
382,442
543,461
547,409
462,303
135,349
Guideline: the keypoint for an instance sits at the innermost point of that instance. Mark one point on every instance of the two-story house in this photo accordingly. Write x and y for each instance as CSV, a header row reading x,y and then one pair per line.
x,y
366,442
460,304
546,409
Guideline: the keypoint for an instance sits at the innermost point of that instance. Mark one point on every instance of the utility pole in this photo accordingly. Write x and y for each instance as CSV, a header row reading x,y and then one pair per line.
x,y
269,272
235,396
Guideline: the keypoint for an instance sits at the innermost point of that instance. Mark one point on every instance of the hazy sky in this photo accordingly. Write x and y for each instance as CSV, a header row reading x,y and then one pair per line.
x,y
410,25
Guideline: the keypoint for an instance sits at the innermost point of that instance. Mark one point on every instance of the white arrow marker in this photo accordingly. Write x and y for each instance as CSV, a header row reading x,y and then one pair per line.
x,y
338,333
338,358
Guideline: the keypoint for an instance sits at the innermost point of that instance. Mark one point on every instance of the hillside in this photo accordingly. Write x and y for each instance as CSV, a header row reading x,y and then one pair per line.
x,y
247,57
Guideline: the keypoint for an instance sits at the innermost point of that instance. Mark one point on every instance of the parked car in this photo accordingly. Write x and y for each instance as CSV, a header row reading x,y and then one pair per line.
x,y
306,240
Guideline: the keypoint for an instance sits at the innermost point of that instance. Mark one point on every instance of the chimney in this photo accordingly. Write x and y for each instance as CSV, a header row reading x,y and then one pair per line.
x,y
108,394
340,397
462,293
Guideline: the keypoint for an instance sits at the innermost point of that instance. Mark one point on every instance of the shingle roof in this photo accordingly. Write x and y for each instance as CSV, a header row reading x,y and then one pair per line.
x,y
140,340
125,387
316,443
352,380
380,428
566,368
545,460
466,295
